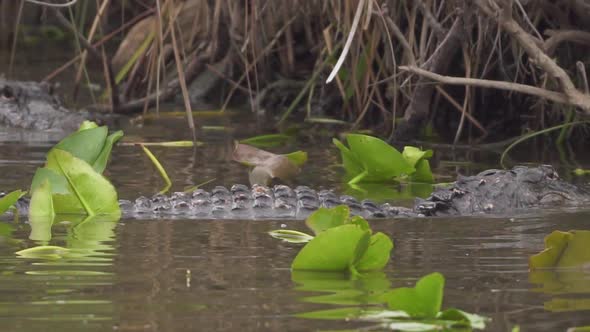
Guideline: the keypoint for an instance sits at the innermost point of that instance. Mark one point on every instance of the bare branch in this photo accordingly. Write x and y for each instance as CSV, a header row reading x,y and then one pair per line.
x,y
556,37
516,87
535,53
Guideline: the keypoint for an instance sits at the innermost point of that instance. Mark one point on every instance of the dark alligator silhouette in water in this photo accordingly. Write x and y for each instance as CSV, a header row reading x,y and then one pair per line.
x,y
501,192
32,105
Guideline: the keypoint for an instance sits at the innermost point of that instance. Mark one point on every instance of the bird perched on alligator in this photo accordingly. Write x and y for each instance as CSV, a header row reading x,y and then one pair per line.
x,y
504,192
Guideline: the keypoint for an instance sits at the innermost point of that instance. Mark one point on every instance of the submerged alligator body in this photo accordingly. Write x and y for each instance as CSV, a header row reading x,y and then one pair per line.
x,y
489,192
32,105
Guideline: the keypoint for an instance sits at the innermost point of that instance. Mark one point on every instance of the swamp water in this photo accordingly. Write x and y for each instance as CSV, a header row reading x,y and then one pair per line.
x,y
221,275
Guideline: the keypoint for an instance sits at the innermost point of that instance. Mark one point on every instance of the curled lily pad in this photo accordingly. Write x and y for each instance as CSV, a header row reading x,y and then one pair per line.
x,y
331,250
377,253
422,301
563,250
369,159
88,191
324,218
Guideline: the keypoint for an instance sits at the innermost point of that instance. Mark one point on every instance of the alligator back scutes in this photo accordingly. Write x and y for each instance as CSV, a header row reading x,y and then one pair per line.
x,y
257,202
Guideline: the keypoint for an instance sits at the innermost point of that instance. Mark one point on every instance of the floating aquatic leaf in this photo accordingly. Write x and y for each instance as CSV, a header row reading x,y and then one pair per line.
x,y
291,236
377,253
369,159
563,250
422,301
72,173
42,201
86,124
331,250
88,191
359,252
352,166
360,222
423,172
413,155
59,184
10,199
86,145
324,218
267,141
381,160
471,320
103,158
418,159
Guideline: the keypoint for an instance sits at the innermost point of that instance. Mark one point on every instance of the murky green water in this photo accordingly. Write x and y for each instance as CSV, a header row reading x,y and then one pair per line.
x,y
188,275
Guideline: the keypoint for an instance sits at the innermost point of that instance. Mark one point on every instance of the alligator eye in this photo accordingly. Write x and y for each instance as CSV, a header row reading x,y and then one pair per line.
x,y
7,93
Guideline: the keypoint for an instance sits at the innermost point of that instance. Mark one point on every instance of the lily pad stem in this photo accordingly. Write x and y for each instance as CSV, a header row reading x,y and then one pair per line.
x,y
359,177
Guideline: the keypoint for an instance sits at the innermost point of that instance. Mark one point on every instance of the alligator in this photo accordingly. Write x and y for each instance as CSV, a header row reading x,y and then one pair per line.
x,y
32,105
499,192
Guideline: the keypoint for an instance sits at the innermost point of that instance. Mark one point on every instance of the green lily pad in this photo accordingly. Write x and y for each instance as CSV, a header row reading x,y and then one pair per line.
x,y
563,250
413,155
59,184
42,201
85,144
360,222
382,161
422,301
418,159
352,166
472,320
103,158
323,218
88,191
377,254
331,250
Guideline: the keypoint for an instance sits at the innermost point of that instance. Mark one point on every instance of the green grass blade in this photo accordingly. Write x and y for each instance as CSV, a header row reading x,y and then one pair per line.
x,y
160,169
537,133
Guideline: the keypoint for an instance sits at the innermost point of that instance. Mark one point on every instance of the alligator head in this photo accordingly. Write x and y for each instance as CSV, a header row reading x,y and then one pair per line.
x,y
501,191
33,105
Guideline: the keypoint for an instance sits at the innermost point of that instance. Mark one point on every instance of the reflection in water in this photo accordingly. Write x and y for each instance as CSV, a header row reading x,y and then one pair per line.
x,y
50,285
561,270
163,275
187,275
